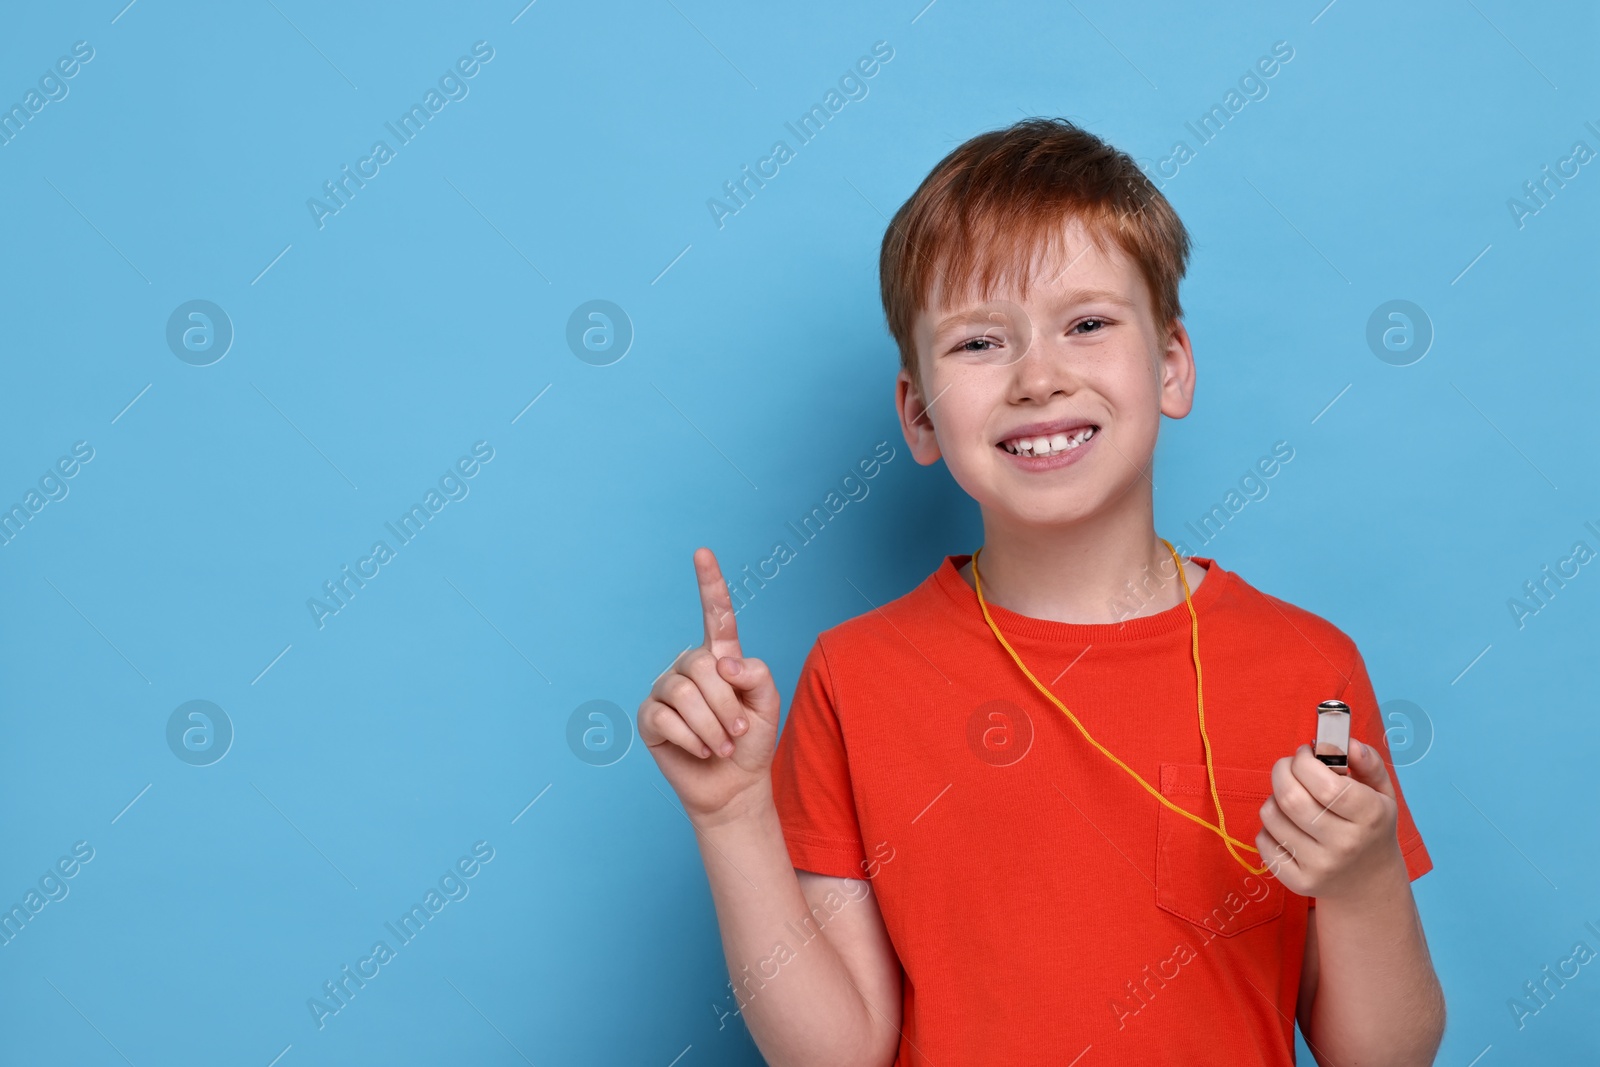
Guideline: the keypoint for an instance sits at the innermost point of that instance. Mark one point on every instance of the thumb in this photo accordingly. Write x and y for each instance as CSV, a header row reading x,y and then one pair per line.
x,y
752,679
1368,768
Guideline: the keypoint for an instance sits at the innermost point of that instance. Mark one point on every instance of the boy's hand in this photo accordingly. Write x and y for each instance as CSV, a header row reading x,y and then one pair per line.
x,y
711,719
1325,834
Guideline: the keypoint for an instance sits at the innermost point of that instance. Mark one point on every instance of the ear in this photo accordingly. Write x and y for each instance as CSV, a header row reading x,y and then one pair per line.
x,y
915,422
1176,372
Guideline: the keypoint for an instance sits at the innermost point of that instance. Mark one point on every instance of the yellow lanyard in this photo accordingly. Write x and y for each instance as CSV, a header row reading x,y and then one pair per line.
x,y
1220,828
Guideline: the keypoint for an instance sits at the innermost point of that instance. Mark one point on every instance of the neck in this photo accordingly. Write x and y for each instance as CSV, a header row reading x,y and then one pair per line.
x,y
1103,570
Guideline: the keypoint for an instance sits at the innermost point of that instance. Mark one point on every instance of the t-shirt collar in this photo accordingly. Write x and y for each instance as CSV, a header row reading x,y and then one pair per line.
x,y
965,601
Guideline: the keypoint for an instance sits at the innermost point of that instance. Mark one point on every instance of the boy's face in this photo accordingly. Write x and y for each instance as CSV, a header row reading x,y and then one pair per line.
x,y
1046,409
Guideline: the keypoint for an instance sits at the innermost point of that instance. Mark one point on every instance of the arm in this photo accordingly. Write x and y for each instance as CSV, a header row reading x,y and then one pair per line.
x,y
711,723
1375,978
833,999
858,935
1368,992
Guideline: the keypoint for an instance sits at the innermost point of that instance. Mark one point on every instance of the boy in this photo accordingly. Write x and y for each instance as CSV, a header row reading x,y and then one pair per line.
x,y
934,865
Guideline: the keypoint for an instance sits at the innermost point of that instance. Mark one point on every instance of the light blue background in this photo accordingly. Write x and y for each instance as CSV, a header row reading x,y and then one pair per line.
x,y
430,311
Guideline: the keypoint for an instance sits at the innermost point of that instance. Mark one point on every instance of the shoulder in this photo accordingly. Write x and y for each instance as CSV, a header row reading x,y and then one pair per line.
x,y
887,639
889,624
1296,632
850,664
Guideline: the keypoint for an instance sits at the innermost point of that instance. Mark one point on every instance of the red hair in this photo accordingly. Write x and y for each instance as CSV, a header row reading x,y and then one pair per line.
x,y
996,205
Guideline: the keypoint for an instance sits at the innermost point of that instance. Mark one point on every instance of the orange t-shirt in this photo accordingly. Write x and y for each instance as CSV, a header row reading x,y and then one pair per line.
x,y
1040,902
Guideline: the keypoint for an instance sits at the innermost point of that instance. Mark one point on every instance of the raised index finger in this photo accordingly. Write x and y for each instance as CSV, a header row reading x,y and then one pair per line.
x,y
722,633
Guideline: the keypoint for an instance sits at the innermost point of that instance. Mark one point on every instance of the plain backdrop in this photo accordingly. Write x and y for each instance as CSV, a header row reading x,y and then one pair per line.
x,y
374,346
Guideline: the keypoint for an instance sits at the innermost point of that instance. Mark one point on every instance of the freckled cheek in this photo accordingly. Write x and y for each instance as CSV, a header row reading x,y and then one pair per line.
x,y
1135,404
963,415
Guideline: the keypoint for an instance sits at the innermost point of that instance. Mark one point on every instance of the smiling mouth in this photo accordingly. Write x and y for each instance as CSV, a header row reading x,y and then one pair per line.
x,y
1049,444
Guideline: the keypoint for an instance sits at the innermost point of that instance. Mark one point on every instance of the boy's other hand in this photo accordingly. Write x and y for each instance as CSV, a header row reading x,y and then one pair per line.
x,y
1325,834
711,719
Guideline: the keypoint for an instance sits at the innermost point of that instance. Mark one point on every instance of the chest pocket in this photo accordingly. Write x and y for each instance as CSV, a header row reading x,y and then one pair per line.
x,y
1196,878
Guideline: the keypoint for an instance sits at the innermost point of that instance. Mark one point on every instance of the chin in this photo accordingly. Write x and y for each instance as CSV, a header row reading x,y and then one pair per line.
x,y
1042,513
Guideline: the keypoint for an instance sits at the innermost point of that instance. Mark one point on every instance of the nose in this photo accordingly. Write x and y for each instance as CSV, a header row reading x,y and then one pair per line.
x,y
1040,373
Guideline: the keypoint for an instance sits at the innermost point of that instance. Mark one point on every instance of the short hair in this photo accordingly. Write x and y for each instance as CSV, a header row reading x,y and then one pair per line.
x,y
997,204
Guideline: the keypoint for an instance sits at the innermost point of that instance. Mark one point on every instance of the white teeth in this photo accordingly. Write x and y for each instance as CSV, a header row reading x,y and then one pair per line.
x,y
1048,446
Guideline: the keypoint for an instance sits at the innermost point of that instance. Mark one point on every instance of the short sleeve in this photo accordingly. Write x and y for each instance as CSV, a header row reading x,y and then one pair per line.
x,y
1366,726
811,779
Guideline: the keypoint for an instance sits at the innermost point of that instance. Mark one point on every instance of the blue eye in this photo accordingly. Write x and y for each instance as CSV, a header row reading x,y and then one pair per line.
x,y
1086,322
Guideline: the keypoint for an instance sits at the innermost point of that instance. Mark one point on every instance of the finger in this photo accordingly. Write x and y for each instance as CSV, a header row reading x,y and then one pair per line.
x,y
700,665
659,724
722,633
1299,804
1279,859
681,694
752,678
1368,768
1283,829
1339,794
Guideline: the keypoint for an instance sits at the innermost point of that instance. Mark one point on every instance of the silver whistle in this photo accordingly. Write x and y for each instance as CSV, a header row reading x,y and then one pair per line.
x,y
1332,746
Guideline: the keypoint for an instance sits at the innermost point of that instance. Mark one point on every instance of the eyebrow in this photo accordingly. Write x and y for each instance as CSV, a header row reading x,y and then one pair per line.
x,y
975,312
